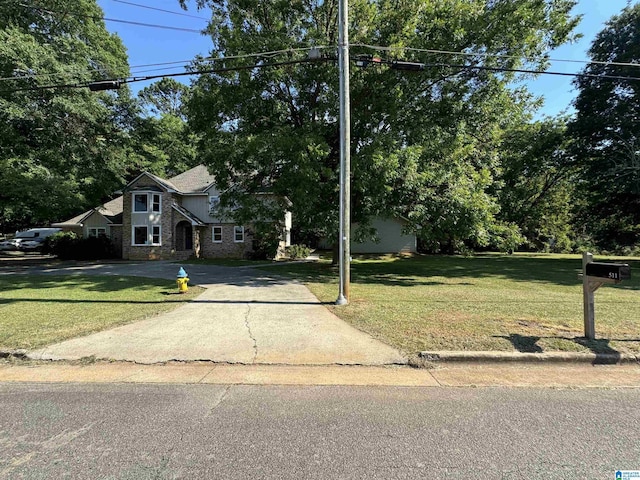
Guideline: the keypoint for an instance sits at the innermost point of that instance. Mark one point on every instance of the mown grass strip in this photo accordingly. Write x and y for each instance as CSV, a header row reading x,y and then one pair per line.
x,y
522,302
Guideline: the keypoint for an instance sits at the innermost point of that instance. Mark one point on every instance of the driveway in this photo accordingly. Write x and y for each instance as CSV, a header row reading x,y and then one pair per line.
x,y
244,316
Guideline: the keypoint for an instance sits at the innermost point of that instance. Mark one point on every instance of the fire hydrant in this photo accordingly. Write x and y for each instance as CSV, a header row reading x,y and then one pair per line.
x,y
182,281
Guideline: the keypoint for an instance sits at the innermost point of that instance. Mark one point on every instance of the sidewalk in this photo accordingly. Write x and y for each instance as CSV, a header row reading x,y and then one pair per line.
x,y
456,375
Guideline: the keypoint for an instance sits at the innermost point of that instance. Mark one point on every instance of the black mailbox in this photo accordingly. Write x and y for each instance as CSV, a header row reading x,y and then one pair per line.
x,y
610,271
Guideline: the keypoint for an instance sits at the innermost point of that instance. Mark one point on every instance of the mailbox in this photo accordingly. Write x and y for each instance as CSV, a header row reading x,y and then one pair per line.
x,y
614,272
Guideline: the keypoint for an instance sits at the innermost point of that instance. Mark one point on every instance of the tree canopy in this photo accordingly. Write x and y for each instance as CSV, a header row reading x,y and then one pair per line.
x,y
425,145
163,144
606,131
60,148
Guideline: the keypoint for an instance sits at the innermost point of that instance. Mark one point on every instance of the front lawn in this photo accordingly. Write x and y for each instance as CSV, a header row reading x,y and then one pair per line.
x,y
36,310
530,303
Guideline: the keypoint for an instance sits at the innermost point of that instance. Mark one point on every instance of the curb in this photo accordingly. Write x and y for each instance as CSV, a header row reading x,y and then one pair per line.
x,y
551,357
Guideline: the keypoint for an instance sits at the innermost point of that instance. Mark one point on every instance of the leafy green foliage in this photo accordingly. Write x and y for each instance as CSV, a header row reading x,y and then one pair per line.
x,y
165,97
538,184
607,136
61,149
68,246
424,145
161,142
297,252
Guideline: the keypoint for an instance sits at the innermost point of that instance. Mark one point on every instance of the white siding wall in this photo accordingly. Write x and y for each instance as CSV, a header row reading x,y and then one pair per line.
x,y
95,220
392,240
199,205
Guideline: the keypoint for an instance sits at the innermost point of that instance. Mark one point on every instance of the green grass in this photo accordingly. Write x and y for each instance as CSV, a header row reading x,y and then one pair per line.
x,y
526,302
36,310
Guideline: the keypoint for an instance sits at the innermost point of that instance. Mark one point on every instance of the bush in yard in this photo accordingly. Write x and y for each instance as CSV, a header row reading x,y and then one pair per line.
x,y
61,244
266,239
295,252
68,246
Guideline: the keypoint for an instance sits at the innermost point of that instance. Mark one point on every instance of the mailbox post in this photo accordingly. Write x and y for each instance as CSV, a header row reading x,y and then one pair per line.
x,y
594,275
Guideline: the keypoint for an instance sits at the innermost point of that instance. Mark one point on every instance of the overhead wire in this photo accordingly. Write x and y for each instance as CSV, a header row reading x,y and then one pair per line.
x,y
160,10
179,63
490,55
154,77
116,20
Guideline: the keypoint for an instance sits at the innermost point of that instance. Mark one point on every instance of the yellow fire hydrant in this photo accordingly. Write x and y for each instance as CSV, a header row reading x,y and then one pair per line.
x,y
182,281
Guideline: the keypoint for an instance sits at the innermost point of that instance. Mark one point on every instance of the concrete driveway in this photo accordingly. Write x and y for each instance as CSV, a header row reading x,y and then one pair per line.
x,y
244,316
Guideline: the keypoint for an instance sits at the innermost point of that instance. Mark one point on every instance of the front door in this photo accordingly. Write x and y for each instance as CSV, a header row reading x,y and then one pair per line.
x,y
188,237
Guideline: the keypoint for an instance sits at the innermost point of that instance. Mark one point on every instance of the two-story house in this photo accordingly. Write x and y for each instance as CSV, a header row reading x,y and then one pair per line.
x,y
174,218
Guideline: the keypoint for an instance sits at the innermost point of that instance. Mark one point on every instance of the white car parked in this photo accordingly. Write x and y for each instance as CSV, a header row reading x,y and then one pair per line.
x,y
11,244
29,240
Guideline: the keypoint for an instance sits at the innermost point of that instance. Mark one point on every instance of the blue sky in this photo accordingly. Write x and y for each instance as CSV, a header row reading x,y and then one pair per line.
x,y
154,45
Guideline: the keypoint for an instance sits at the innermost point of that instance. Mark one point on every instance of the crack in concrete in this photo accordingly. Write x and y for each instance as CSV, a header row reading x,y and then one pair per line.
x,y
255,342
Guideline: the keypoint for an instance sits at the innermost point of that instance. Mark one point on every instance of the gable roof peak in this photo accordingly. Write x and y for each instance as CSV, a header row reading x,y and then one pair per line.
x,y
195,180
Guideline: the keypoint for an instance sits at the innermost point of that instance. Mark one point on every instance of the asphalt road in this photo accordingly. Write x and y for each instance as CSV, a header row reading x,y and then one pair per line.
x,y
116,431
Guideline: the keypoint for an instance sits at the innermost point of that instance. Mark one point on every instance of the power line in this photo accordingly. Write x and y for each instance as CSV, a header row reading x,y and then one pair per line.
x,y
184,63
491,55
181,74
416,66
394,64
116,20
161,10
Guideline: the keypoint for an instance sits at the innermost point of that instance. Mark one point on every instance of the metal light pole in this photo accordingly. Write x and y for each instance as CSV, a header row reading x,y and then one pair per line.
x,y
345,153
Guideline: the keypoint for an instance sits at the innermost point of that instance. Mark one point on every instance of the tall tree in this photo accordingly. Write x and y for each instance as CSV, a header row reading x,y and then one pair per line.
x,y
60,148
436,131
537,188
163,143
607,135
165,97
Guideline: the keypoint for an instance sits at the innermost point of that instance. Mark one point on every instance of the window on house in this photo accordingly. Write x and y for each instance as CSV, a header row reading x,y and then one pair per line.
x,y
217,234
156,202
140,235
97,232
214,203
238,234
155,235
140,201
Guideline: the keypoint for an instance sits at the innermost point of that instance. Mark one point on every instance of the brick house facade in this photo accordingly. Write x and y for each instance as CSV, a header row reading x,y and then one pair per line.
x,y
170,219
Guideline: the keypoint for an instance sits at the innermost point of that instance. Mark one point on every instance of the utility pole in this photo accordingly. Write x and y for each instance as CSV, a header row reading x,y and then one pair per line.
x,y
345,153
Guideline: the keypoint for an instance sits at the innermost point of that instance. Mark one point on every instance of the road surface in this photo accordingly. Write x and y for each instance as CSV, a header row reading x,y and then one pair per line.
x,y
143,431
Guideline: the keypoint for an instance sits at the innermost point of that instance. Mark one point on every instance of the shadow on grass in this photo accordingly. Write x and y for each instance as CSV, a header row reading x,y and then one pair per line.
x,y
605,354
420,270
177,298
112,283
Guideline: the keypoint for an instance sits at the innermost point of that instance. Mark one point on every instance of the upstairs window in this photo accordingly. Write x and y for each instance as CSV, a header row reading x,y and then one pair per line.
x,y
140,202
156,202
214,203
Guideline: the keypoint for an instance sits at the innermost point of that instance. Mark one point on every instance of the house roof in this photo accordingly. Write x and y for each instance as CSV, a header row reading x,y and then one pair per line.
x,y
196,180
188,215
111,211
112,208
